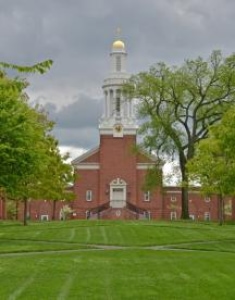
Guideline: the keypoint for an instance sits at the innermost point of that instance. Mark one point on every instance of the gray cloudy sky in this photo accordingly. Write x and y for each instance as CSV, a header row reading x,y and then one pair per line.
x,y
77,35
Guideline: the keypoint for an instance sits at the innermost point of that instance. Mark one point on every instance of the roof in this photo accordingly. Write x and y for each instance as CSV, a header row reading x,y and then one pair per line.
x,y
85,155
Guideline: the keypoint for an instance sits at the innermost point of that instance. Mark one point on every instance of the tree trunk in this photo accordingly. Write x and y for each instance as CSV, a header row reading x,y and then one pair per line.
x,y
184,203
3,207
17,210
221,209
184,189
53,210
25,211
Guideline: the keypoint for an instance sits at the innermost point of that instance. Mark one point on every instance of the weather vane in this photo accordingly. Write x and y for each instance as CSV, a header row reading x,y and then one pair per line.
x,y
118,32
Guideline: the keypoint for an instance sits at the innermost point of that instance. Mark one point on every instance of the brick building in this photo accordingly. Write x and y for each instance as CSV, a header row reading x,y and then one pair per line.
x,y
111,177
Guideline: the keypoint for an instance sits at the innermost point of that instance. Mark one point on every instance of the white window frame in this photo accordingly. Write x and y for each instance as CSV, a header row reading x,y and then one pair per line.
x,y
89,195
207,216
207,199
173,215
44,217
192,217
173,199
147,196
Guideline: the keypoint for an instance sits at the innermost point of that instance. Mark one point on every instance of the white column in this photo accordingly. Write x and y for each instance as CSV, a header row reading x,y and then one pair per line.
x,y
106,104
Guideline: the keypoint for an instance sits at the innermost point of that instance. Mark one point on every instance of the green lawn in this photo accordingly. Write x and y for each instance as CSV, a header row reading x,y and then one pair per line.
x,y
117,260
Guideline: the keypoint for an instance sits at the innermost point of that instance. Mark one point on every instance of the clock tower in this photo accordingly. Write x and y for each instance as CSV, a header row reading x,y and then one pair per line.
x,y
118,117
111,176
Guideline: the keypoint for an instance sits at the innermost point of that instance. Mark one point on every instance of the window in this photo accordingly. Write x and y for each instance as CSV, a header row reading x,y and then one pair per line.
x,y
173,215
192,217
207,216
173,199
118,63
147,196
88,195
118,105
147,215
44,217
207,199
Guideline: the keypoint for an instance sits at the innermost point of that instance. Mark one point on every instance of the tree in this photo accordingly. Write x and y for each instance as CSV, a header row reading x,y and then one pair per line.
x,y
17,121
55,178
213,165
31,166
178,104
66,211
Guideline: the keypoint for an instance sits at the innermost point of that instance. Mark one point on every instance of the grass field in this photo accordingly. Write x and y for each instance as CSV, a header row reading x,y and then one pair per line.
x,y
117,260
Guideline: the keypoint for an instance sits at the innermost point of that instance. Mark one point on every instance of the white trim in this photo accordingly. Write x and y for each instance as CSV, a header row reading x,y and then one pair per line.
x,y
144,166
89,195
87,166
147,196
207,216
173,215
84,156
192,217
126,131
44,217
179,192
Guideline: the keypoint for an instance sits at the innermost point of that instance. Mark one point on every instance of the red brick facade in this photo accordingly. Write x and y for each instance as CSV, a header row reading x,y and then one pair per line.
x,y
115,159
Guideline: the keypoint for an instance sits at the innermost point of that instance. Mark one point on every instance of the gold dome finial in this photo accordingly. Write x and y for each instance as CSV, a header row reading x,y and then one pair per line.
x,y
118,44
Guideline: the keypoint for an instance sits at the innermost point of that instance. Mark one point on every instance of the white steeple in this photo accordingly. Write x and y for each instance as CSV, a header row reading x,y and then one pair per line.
x,y
118,117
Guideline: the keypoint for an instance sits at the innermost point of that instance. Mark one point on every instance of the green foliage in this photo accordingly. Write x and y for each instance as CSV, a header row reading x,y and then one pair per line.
x,y
66,211
153,179
213,165
178,104
11,210
31,165
41,67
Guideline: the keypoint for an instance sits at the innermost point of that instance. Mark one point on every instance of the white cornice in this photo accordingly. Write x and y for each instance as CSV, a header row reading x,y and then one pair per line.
x,y
144,166
84,156
87,166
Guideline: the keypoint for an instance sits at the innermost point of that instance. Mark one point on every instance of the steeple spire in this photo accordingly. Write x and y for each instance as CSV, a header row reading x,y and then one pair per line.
x,y
118,111
118,33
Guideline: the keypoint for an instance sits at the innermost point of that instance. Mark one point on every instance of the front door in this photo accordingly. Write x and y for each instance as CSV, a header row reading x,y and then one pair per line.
x,y
118,199
118,193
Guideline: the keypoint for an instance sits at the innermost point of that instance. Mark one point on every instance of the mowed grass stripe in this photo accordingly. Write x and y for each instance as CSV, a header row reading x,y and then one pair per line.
x,y
146,233
19,290
88,235
104,235
139,274
122,274
64,293
72,234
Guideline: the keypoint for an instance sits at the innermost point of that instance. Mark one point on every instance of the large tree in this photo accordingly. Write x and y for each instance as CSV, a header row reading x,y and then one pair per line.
x,y
178,104
18,122
213,165
31,165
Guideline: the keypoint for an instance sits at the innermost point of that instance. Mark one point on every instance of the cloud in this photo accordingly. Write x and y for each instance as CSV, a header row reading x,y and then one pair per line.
x,y
76,123
77,35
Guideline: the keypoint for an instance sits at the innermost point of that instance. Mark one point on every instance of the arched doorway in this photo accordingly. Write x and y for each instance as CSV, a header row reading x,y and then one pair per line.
x,y
118,193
